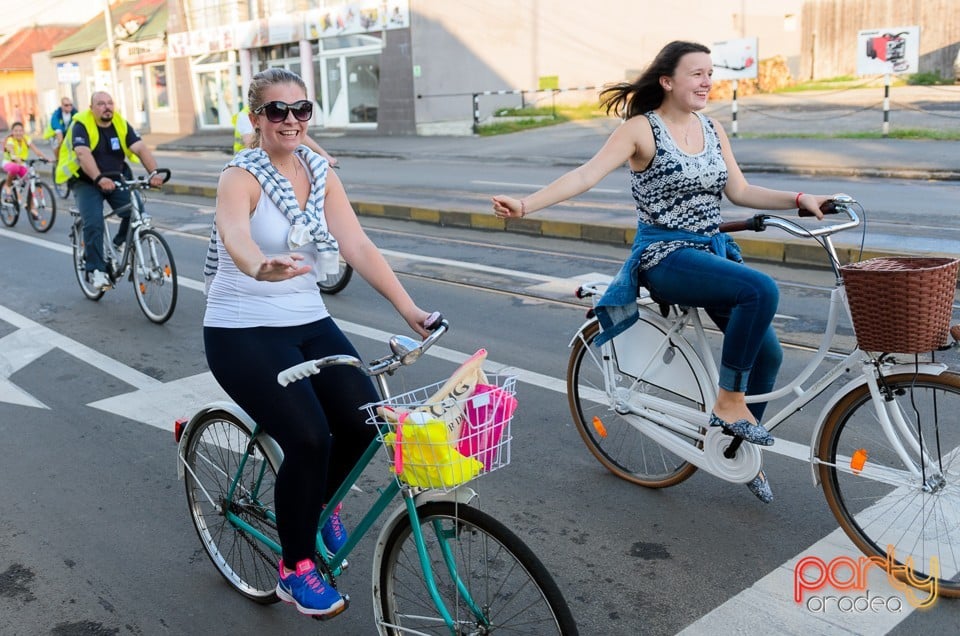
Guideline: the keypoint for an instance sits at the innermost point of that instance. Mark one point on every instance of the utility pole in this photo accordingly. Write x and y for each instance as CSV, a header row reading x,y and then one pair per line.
x,y
108,21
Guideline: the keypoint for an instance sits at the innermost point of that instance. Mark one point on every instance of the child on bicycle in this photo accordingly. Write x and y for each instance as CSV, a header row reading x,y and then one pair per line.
x,y
16,150
281,218
681,164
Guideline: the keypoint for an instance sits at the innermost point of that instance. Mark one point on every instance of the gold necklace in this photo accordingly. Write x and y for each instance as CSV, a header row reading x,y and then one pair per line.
x,y
685,129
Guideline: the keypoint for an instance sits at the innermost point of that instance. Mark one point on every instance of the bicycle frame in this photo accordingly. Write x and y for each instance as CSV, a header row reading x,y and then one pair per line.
x,y
668,423
412,497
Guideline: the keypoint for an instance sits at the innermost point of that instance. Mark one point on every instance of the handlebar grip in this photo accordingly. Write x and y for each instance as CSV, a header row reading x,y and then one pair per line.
x,y
164,172
827,207
433,322
297,372
753,224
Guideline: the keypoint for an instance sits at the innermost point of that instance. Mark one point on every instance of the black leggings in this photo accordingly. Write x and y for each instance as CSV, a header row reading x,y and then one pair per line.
x,y
316,422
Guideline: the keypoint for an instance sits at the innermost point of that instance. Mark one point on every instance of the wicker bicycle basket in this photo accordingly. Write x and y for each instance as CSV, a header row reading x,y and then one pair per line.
x,y
442,442
901,304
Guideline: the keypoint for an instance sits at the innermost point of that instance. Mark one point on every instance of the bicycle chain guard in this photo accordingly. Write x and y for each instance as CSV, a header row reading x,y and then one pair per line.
x,y
743,467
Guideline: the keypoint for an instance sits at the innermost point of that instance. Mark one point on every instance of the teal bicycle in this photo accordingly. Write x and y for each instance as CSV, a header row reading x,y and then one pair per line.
x,y
441,565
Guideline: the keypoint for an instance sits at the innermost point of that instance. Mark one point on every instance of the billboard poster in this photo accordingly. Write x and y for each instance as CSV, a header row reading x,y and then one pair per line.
x,y
888,51
735,59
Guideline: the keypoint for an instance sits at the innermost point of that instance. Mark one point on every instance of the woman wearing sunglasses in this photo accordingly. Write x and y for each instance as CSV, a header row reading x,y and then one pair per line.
x,y
281,218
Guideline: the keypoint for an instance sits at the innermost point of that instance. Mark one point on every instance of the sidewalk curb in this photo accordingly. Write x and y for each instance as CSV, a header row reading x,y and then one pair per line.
x,y
773,251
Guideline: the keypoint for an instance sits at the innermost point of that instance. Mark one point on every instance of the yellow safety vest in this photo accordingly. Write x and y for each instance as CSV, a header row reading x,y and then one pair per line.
x,y
68,165
238,144
13,149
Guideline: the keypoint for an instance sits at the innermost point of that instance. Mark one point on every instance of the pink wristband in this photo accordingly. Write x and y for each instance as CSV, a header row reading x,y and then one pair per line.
x,y
797,200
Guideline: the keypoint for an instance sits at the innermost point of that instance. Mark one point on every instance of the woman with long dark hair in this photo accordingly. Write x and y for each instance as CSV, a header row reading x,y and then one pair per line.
x,y
681,164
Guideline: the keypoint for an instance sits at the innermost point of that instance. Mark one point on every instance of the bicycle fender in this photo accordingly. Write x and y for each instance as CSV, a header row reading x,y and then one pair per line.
x,y
577,335
270,447
463,495
928,368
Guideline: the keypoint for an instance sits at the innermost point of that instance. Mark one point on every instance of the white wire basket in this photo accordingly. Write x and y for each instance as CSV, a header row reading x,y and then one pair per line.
x,y
444,441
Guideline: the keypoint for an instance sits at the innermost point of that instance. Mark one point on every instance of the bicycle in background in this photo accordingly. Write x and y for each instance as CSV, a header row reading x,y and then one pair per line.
x,y
35,196
441,565
144,258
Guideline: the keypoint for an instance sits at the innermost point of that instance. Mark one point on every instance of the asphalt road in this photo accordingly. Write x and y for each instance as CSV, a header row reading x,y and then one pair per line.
x,y
95,537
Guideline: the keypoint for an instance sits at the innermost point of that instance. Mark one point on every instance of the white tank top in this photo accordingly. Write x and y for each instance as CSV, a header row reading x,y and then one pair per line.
x,y
237,300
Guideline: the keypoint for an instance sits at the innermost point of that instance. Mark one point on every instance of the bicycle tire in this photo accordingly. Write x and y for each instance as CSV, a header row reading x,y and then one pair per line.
x,y
615,442
79,261
62,189
506,579
45,205
915,518
335,283
155,281
212,454
9,212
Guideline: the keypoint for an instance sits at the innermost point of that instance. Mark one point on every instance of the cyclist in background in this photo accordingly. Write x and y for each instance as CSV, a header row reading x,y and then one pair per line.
x,y
59,122
681,165
100,141
16,150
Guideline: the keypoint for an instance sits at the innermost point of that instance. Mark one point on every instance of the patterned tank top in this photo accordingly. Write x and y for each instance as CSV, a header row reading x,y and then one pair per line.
x,y
679,191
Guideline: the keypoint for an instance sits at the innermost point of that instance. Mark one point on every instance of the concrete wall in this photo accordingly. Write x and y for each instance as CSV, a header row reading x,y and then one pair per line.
x,y
477,45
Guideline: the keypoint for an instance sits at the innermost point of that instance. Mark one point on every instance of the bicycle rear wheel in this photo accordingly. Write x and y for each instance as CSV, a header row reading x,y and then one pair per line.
x,y
213,453
878,501
9,211
45,208
610,437
79,262
510,588
335,283
154,277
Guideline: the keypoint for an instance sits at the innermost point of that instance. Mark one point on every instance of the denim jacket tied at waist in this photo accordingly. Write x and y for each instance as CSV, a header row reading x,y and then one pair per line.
x,y
617,309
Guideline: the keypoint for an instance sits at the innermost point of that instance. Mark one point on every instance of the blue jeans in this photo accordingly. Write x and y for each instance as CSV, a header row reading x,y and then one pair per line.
x,y
90,200
742,303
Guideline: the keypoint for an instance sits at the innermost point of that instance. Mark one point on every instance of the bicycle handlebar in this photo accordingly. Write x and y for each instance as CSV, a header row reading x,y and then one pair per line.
x,y
402,355
141,182
760,222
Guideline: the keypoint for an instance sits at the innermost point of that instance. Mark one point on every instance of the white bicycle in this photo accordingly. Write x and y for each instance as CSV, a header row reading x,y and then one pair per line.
x,y
886,447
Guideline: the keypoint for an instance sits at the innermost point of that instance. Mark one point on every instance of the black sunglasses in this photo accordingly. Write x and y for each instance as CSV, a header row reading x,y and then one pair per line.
x,y
277,111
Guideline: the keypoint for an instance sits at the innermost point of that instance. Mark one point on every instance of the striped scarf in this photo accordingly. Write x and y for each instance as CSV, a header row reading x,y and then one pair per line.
x,y
307,226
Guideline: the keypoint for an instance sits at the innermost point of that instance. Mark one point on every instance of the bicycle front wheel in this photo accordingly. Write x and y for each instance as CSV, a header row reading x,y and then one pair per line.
x,y
610,436
212,455
887,508
9,211
155,277
79,262
334,283
489,580
44,208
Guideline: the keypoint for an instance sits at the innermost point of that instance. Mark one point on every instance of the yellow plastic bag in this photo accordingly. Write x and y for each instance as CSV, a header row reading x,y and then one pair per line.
x,y
425,457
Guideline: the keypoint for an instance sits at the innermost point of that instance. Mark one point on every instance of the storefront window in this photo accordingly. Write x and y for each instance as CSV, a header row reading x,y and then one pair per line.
x,y
159,97
217,90
363,78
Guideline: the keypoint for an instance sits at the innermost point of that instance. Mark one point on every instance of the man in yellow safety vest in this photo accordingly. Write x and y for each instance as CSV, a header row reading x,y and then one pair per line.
x,y
99,143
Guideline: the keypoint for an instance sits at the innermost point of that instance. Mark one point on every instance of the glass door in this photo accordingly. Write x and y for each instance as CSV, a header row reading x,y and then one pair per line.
x,y
335,109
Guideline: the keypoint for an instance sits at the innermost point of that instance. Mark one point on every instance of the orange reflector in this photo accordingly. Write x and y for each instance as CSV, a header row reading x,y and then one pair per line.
x,y
599,427
143,288
166,271
858,460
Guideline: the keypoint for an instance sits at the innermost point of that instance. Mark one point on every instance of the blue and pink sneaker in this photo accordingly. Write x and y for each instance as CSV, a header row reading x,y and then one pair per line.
x,y
306,589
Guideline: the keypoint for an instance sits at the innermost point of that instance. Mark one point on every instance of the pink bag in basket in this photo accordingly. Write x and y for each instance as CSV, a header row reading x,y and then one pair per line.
x,y
486,413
